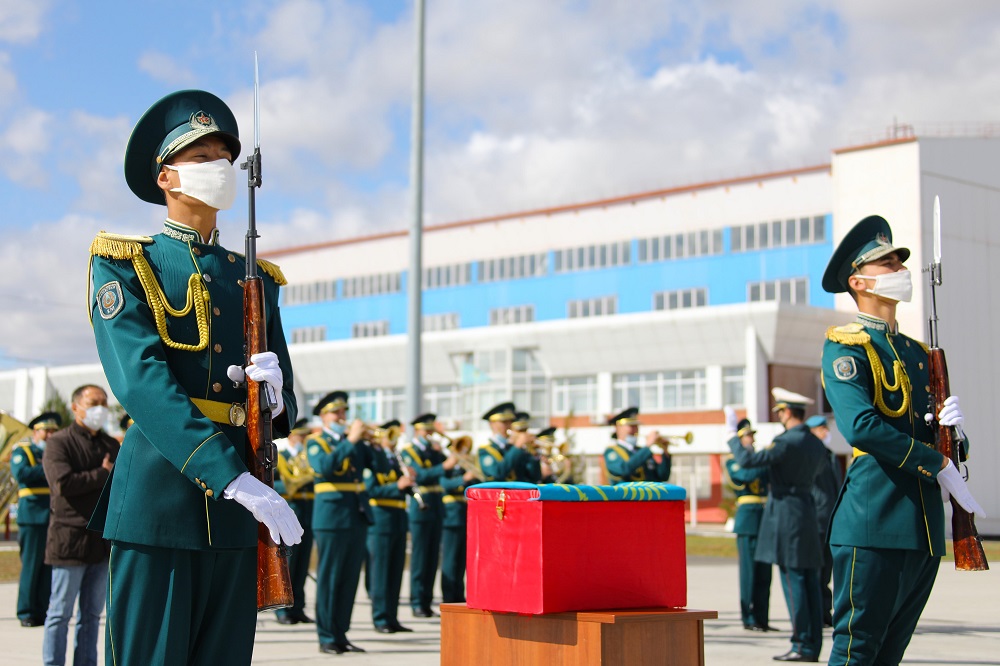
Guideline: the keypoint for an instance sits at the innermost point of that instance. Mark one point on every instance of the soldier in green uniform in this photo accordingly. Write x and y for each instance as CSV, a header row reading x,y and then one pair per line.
x,y
750,487
788,535
521,422
181,509
294,484
33,520
887,531
504,460
454,527
625,460
388,485
825,496
341,517
426,521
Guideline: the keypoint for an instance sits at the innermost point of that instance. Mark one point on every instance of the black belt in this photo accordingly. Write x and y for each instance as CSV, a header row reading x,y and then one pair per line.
x,y
800,491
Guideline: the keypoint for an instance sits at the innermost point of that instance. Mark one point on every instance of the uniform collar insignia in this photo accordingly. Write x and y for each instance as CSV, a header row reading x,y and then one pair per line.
x,y
186,234
874,323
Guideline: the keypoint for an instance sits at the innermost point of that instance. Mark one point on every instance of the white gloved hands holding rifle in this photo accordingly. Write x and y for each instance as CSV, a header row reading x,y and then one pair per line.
x,y
950,415
263,369
953,485
267,506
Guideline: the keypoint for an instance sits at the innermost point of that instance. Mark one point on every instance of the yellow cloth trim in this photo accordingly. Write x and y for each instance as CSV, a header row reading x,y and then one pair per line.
x,y
412,450
449,499
858,452
214,410
751,499
272,270
430,489
28,492
388,503
197,298
327,487
493,451
300,496
117,246
196,451
27,451
319,439
850,334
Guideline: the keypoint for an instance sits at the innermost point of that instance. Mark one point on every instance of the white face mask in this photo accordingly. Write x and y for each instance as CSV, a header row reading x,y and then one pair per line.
x,y
896,286
96,417
631,440
212,183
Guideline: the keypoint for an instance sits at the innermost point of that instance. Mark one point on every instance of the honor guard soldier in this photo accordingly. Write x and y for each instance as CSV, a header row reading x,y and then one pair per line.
x,y
788,535
426,519
454,527
502,460
625,459
825,496
887,530
181,507
750,488
294,483
388,485
338,455
33,520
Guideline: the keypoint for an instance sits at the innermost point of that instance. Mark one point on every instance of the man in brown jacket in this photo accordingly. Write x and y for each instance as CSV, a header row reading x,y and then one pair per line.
x,y
77,462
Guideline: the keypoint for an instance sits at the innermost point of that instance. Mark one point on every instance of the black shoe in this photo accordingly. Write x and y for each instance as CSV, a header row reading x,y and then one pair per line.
x,y
288,619
420,612
332,648
755,627
765,627
792,655
398,628
302,617
350,647
31,622
827,621
385,629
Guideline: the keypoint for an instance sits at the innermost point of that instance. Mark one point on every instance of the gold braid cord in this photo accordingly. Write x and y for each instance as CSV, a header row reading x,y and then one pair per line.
x,y
197,298
854,334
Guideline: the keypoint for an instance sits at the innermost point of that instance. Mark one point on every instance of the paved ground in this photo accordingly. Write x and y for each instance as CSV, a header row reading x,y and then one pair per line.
x,y
961,626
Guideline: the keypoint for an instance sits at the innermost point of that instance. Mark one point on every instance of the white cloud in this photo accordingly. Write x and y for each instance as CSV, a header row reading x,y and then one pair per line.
x,y
21,22
165,68
24,143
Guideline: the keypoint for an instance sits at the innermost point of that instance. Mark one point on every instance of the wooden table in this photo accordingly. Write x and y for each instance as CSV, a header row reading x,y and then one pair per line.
x,y
662,636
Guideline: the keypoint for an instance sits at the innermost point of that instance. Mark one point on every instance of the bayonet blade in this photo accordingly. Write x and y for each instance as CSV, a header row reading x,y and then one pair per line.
x,y
256,103
937,229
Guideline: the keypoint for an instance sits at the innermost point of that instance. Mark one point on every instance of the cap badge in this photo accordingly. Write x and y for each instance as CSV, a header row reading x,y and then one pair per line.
x,y
201,120
882,239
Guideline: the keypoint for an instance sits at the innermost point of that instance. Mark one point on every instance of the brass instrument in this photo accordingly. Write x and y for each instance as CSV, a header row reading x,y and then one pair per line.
x,y
12,431
460,449
412,490
664,440
556,456
295,472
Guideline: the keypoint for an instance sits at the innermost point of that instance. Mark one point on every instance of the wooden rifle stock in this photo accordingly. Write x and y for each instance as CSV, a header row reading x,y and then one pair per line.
x,y
274,583
968,546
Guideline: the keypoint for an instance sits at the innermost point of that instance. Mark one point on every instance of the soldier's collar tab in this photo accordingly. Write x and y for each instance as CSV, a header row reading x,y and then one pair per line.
x,y
876,324
186,234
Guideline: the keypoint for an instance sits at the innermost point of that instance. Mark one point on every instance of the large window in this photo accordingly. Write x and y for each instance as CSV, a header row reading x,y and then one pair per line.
x,y
574,394
310,292
370,329
308,334
490,376
455,275
792,290
733,386
607,255
680,299
517,314
667,391
679,246
512,268
592,307
372,285
444,321
778,233
444,400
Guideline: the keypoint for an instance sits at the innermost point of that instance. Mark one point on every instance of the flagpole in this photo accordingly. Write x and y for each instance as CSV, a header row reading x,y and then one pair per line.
x,y
413,375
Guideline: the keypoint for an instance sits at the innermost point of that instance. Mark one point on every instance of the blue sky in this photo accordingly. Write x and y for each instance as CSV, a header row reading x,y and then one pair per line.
x,y
529,104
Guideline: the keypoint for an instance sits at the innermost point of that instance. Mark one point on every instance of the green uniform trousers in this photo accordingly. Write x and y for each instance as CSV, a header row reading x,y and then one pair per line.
x,y
453,564
386,561
801,587
341,555
36,576
878,597
755,583
298,561
426,549
175,607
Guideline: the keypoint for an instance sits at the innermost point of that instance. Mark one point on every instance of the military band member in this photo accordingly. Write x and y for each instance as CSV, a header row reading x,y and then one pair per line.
x,y
338,455
299,494
454,527
788,535
521,422
825,495
388,486
181,508
426,522
750,487
887,531
33,520
504,460
627,461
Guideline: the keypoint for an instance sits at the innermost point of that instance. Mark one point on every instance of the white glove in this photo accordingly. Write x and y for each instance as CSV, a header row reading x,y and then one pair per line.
x,y
267,507
953,485
950,414
731,421
263,368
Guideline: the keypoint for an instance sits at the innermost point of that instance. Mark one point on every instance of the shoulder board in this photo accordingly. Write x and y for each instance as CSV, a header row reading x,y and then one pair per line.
x,y
849,334
272,270
117,246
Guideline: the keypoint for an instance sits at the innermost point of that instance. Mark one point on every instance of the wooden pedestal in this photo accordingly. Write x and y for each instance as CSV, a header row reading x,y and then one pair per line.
x,y
661,636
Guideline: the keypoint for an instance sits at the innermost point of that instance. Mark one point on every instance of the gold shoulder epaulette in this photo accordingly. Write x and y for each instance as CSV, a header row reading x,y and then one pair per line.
x,y
117,246
849,334
272,270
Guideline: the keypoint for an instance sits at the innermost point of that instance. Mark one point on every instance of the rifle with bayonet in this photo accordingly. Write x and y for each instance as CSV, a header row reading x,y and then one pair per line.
x,y
950,441
274,583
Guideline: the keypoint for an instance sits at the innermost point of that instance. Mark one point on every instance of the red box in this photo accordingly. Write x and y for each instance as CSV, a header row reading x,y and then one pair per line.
x,y
530,554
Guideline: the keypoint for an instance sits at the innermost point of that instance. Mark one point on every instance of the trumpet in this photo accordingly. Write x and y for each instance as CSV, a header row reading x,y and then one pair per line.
x,y
460,449
412,490
663,441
